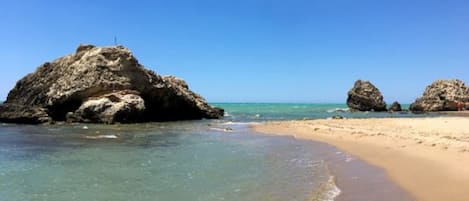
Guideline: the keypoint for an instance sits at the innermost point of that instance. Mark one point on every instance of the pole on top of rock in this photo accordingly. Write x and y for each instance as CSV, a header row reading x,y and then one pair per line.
x,y
115,40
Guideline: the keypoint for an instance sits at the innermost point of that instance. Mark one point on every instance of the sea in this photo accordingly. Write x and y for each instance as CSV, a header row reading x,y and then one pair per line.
x,y
203,160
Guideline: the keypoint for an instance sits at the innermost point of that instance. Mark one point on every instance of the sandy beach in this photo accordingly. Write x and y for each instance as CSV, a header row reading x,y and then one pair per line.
x,y
428,157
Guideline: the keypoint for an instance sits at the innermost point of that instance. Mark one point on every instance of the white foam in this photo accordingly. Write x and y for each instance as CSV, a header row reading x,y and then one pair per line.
x,y
222,129
240,123
333,190
338,110
348,159
101,137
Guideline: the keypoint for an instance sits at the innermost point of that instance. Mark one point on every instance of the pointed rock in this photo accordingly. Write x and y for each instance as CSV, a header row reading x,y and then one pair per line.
x,y
364,96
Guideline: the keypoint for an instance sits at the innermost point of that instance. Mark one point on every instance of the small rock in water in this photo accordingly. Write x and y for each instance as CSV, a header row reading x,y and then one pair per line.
x,y
85,127
337,117
395,107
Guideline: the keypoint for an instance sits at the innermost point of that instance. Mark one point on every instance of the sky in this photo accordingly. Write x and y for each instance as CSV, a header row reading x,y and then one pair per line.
x,y
253,50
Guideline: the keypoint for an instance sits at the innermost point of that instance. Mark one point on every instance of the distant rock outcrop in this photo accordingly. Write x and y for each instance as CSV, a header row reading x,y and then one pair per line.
x,y
442,95
395,107
102,85
364,96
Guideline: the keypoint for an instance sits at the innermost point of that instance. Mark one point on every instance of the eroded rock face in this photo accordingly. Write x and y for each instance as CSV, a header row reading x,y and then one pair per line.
x,y
102,85
364,96
442,95
114,107
14,113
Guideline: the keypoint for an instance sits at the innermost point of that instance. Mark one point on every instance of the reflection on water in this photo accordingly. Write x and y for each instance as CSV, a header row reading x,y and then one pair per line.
x,y
157,161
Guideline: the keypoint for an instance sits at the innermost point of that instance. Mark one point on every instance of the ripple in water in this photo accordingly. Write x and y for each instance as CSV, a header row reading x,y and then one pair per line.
x,y
160,161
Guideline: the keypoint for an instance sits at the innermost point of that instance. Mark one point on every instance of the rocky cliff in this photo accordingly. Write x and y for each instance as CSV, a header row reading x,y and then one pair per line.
x,y
102,85
364,96
442,95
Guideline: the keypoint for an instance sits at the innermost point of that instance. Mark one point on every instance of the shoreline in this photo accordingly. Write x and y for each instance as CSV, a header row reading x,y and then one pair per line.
x,y
428,157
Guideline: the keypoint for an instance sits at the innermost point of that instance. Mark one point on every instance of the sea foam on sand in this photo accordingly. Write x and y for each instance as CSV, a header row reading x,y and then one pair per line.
x,y
426,156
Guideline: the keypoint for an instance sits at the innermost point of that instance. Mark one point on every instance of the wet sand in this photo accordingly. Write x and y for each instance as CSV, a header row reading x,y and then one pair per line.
x,y
428,157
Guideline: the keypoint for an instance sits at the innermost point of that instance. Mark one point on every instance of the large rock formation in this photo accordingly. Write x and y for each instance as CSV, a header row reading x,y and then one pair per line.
x,y
442,95
101,85
364,96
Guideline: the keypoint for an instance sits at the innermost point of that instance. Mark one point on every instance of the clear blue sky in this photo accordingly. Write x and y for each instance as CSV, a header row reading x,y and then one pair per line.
x,y
253,50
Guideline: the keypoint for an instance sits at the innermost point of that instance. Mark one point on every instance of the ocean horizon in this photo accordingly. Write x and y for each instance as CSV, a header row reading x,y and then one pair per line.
x,y
256,112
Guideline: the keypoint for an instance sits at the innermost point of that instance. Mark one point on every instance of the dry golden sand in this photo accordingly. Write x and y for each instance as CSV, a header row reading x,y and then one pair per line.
x,y
428,157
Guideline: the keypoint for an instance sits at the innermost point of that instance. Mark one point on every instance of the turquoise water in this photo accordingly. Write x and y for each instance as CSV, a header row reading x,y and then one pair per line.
x,y
206,160
158,161
247,112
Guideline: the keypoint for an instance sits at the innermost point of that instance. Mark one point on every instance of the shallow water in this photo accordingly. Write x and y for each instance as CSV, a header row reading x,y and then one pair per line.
x,y
158,161
191,160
